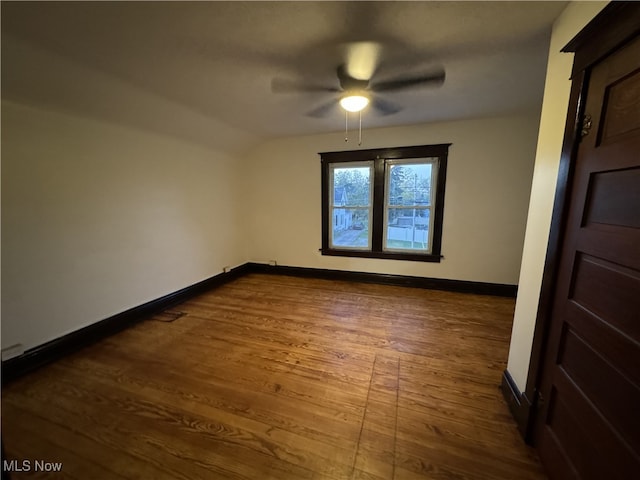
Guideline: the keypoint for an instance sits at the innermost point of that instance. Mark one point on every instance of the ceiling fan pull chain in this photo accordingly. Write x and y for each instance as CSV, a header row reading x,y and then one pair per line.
x,y
360,129
346,126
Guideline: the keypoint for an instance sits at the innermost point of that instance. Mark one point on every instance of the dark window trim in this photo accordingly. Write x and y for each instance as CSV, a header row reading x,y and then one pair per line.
x,y
379,155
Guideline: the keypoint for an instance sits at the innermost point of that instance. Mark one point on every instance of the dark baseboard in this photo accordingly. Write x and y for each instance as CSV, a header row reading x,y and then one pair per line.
x,y
55,349
48,352
519,405
461,286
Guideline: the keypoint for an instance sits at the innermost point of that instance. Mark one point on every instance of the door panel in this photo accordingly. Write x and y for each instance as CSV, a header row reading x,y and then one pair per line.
x,y
620,109
605,290
613,395
613,198
588,425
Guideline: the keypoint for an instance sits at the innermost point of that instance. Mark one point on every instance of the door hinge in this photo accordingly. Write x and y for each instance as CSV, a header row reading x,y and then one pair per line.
x,y
587,123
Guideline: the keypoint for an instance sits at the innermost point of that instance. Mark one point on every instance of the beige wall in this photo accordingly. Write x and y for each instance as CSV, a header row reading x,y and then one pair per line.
x,y
487,193
98,218
554,113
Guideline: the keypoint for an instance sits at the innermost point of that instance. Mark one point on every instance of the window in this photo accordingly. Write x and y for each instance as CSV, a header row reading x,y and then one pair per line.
x,y
384,203
351,203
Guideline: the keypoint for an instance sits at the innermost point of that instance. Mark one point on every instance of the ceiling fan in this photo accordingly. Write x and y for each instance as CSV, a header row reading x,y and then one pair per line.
x,y
357,87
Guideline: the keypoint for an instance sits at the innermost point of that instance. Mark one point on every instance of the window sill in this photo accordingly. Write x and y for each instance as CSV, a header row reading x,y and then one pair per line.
x,y
414,257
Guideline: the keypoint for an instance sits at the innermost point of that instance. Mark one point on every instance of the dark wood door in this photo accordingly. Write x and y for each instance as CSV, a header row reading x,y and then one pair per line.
x,y
588,425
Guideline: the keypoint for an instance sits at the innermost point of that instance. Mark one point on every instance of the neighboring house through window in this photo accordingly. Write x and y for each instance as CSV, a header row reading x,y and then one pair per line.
x,y
384,203
342,217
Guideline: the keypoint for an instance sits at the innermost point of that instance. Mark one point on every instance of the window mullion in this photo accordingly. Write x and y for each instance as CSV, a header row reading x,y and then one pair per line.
x,y
378,205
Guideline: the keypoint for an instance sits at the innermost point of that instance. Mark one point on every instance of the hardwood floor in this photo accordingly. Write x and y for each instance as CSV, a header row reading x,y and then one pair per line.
x,y
275,377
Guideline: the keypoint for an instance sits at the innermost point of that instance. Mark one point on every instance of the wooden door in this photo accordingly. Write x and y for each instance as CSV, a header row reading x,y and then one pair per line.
x,y
588,423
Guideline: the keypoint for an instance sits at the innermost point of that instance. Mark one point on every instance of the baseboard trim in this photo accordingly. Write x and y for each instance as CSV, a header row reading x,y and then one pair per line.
x,y
519,405
41,355
460,286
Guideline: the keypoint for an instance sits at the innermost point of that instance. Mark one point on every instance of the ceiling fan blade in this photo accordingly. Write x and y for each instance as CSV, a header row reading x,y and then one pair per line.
x,y
362,59
384,107
323,110
434,79
283,85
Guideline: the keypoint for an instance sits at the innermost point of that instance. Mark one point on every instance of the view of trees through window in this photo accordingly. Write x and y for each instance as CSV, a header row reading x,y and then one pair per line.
x,y
408,206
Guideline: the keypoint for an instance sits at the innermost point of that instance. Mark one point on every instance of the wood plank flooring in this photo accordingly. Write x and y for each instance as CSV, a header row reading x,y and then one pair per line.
x,y
276,377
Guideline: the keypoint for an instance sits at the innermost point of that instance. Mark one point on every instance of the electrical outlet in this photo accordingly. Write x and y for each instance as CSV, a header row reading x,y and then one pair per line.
x,y
273,263
12,351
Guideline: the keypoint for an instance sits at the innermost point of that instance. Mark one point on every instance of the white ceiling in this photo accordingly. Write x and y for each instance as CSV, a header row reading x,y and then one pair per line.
x,y
203,70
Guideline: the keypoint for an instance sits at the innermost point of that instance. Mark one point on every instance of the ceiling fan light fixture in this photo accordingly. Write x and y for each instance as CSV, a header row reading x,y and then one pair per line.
x,y
354,102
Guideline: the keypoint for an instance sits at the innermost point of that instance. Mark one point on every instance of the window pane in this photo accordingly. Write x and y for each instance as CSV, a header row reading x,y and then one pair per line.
x,y
351,186
407,229
350,227
410,184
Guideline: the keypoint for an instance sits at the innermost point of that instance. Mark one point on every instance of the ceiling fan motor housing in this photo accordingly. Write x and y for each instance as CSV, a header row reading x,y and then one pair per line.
x,y
348,83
